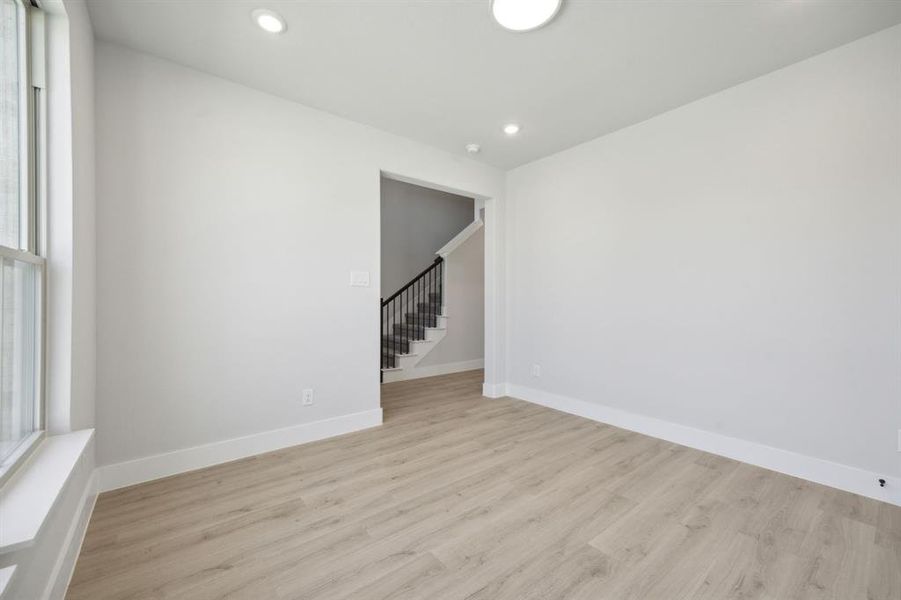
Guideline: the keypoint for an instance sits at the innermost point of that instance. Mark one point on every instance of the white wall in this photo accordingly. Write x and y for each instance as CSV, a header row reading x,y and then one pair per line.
x,y
228,223
416,223
733,265
464,302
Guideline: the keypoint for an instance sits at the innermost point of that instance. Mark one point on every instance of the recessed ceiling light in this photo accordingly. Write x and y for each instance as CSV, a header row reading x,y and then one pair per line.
x,y
268,20
524,15
473,148
511,128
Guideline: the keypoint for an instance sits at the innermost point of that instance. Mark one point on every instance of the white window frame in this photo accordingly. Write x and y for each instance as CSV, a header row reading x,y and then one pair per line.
x,y
32,220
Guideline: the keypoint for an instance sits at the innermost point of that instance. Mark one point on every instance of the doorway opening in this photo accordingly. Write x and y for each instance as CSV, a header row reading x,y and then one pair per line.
x,y
432,281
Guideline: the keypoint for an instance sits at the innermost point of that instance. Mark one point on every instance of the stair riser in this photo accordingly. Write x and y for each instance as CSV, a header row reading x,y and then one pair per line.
x,y
409,331
396,347
428,308
422,320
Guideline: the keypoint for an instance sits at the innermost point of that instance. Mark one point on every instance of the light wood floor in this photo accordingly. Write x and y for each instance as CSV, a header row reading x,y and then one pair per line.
x,y
457,496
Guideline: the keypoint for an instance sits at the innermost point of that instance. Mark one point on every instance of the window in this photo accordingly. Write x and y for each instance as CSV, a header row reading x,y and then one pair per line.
x,y
21,266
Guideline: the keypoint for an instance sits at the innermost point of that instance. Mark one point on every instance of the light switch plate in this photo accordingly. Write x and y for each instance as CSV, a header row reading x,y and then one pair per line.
x,y
359,278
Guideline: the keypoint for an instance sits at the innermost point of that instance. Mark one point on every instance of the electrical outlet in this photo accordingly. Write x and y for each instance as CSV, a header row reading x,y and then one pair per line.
x,y
536,370
307,398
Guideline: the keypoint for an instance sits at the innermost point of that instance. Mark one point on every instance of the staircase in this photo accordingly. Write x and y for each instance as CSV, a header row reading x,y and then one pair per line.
x,y
413,321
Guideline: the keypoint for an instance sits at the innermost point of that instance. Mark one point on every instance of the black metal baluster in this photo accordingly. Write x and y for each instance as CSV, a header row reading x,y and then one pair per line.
x,y
389,341
400,319
426,288
390,331
385,333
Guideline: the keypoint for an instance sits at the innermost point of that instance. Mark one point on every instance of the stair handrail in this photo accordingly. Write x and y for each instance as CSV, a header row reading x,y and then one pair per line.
x,y
409,284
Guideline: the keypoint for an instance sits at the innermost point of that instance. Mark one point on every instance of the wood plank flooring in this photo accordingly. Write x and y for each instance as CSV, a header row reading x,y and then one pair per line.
x,y
461,497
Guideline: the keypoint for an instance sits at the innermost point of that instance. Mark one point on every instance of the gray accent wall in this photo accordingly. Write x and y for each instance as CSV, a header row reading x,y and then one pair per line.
x,y
416,222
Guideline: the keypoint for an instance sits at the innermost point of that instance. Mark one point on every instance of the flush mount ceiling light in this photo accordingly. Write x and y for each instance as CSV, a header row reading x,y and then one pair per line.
x,y
511,128
268,20
473,148
524,15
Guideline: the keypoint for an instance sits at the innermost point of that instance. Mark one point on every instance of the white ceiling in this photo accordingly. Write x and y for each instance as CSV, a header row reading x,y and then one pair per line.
x,y
442,72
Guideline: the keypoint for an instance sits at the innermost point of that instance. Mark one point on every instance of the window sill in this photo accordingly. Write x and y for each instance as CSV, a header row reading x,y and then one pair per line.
x,y
19,455
30,494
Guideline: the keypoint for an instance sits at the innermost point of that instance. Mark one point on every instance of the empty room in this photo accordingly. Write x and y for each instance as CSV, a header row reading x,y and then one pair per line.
x,y
450,299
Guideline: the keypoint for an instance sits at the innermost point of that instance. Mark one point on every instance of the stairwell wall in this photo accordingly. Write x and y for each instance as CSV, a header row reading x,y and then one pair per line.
x,y
464,300
416,222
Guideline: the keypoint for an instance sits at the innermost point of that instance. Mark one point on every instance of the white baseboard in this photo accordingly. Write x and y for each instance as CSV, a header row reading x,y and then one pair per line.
x,y
494,390
433,370
71,546
817,470
189,459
